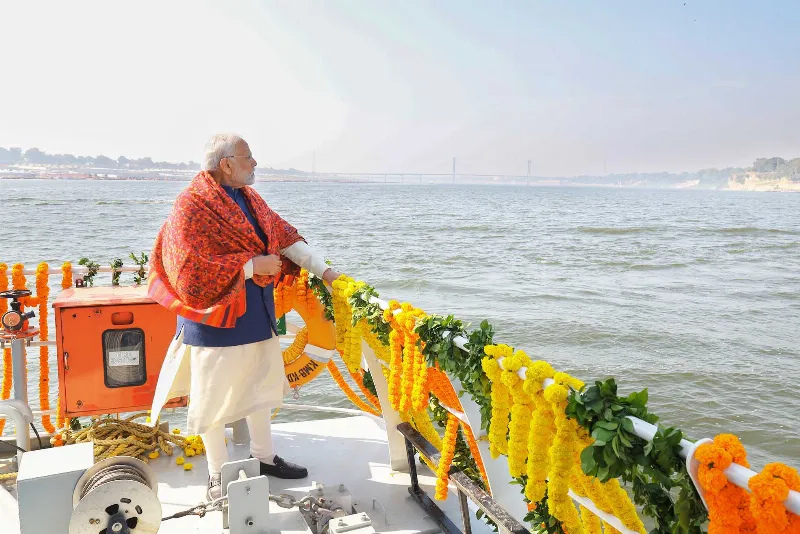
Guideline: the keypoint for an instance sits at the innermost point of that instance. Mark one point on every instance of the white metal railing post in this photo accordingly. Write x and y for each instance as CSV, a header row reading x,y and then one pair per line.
x,y
398,459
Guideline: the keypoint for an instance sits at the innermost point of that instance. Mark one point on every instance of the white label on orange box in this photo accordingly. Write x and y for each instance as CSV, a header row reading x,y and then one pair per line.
x,y
123,357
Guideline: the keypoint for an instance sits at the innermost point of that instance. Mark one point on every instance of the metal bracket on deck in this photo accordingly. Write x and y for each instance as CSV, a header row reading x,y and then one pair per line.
x,y
247,510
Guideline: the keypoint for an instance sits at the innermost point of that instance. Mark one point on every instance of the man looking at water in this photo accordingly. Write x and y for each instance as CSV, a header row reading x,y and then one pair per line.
x,y
214,263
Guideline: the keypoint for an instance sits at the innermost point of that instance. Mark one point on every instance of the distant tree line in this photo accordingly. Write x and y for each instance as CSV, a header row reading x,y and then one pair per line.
x,y
790,168
15,156
707,178
35,156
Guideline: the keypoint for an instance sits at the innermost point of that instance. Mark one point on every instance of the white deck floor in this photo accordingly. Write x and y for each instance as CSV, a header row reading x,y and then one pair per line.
x,y
352,451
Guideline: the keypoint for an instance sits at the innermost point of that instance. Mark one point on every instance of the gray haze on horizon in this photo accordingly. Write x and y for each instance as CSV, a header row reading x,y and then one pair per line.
x,y
404,87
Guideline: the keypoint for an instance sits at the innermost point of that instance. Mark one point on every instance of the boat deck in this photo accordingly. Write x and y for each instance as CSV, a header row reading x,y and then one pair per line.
x,y
350,450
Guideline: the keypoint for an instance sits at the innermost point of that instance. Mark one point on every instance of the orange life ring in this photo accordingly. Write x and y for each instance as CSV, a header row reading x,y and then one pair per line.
x,y
313,345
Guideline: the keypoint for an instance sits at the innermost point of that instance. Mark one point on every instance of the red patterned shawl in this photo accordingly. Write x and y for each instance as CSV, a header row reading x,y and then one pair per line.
x,y
196,269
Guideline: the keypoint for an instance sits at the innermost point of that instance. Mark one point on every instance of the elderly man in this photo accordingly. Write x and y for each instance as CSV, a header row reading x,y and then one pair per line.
x,y
214,263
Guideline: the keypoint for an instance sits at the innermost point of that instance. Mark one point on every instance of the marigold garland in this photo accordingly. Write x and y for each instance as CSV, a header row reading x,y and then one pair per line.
x,y
5,392
408,368
382,352
543,430
561,461
43,294
348,391
358,378
448,451
770,488
295,350
476,453
590,522
521,413
19,281
395,370
66,282
348,335
422,422
728,505
501,399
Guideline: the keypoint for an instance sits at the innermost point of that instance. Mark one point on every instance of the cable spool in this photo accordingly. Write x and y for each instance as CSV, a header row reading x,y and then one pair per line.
x,y
116,495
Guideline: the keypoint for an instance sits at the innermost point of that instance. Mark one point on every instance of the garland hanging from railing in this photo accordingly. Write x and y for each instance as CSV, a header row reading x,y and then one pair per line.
x,y
579,437
5,391
565,437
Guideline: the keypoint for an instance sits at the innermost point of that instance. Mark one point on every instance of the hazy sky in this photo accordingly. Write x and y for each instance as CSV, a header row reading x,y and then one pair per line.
x,y
403,86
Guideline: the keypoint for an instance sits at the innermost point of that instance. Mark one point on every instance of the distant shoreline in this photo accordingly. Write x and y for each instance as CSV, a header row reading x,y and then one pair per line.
x,y
751,181
413,182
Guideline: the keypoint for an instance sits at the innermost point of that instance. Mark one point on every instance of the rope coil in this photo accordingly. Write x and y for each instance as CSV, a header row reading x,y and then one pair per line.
x,y
114,473
113,437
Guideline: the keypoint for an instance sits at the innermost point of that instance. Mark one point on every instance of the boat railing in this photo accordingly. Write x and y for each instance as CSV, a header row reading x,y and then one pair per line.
x,y
465,486
398,445
736,474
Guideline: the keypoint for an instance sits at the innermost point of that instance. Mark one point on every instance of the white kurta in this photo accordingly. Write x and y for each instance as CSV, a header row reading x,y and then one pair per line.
x,y
224,384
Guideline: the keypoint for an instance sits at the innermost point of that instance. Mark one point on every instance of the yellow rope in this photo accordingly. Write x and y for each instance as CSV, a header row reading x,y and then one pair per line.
x,y
114,437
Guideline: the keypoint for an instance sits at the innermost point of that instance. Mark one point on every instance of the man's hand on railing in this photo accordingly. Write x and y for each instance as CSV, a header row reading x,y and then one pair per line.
x,y
330,275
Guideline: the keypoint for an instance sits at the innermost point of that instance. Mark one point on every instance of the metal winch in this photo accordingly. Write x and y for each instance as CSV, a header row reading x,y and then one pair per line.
x,y
118,495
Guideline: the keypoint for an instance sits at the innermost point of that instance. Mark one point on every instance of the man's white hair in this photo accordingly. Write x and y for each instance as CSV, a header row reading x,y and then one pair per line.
x,y
218,147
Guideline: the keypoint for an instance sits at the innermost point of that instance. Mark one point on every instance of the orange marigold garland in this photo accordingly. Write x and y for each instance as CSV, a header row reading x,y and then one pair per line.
x,y
448,451
337,376
19,282
5,392
476,453
728,505
66,282
43,294
770,488
358,378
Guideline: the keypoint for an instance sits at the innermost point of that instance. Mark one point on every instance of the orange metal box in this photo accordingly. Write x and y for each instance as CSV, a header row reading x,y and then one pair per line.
x,y
111,343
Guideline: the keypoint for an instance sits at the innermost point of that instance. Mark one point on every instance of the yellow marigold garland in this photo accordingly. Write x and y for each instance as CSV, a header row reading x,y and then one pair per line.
x,y
382,352
622,507
297,347
448,451
590,522
407,364
521,413
348,337
561,460
422,422
395,370
542,431
501,399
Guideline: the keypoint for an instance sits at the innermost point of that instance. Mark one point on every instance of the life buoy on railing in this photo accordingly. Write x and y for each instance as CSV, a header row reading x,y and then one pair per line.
x,y
314,344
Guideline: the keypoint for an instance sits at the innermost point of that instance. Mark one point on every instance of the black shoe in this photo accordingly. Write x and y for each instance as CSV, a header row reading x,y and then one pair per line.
x,y
283,469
